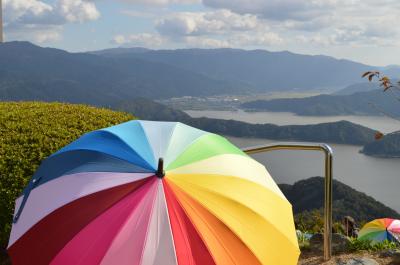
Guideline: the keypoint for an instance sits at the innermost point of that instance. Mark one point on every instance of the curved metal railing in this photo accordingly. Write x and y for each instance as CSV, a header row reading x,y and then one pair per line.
x,y
327,150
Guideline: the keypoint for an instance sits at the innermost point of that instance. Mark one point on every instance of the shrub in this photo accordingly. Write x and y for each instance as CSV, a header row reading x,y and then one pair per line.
x,y
31,131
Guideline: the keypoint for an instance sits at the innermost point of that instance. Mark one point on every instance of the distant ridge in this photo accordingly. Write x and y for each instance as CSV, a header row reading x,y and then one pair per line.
x,y
108,76
360,103
358,87
261,69
30,72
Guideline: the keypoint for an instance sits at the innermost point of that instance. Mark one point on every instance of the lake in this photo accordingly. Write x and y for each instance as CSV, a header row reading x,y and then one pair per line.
x,y
380,123
377,177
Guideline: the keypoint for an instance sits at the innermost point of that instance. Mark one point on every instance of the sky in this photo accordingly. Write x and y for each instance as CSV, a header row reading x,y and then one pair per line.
x,y
366,31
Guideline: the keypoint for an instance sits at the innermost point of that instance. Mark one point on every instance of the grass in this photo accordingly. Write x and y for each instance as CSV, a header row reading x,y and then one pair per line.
x,y
358,245
354,245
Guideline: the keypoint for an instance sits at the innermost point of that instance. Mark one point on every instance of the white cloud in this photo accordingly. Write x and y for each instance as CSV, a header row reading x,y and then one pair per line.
x,y
161,2
302,10
15,10
202,23
342,20
138,40
36,33
219,28
47,35
205,42
77,10
260,39
42,22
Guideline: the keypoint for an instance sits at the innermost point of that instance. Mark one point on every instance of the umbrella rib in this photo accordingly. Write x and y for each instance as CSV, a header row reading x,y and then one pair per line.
x,y
209,227
126,220
155,204
237,202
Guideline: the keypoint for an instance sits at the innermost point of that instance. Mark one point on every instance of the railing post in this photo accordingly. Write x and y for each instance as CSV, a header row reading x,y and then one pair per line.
x,y
1,23
327,150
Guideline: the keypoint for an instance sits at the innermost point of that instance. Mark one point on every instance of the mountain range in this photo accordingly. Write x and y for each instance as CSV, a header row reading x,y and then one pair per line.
x,y
260,69
122,78
30,72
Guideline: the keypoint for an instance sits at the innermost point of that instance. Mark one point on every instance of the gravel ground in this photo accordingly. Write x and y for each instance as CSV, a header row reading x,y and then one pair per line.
x,y
309,258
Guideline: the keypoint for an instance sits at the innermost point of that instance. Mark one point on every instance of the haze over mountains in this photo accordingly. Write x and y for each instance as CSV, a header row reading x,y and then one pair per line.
x,y
262,70
30,72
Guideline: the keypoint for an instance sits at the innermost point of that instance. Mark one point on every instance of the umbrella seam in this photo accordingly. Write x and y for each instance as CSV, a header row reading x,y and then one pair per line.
x,y
196,140
126,220
218,194
208,226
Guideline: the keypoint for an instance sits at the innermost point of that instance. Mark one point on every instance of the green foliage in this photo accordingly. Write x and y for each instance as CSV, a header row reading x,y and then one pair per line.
x,y
31,131
387,146
310,221
304,242
308,195
357,245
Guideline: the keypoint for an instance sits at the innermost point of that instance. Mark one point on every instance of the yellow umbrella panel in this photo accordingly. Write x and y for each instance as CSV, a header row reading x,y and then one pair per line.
x,y
233,203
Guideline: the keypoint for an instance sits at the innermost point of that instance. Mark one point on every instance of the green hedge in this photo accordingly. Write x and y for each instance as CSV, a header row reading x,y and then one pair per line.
x,y
31,131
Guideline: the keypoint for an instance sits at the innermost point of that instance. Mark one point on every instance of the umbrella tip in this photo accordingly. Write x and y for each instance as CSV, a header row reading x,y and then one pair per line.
x,y
160,169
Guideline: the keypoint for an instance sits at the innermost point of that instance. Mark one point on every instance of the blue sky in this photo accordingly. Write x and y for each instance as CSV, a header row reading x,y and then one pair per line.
x,y
362,30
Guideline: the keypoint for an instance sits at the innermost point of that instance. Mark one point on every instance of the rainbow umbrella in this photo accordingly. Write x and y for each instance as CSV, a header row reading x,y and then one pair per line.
x,y
381,229
147,192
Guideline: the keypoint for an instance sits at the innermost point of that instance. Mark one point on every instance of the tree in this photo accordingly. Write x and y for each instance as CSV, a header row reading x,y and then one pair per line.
x,y
386,85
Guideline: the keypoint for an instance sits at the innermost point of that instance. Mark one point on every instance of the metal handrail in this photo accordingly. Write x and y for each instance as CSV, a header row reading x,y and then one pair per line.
x,y
327,150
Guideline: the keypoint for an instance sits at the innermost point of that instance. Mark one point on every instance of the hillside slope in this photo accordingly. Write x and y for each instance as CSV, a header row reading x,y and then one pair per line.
x,y
306,195
31,131
388,146
360,103
358,87
30,72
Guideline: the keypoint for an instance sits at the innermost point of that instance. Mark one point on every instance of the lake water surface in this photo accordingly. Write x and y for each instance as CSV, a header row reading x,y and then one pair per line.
x,y
377,177
380,123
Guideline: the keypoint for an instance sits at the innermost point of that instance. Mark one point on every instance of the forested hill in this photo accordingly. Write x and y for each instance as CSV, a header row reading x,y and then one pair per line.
x,y
307,195
360,103
341,132
388,146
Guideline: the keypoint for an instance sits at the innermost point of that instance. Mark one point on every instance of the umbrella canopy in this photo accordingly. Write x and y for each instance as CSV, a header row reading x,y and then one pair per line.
x,y
381,229
147,192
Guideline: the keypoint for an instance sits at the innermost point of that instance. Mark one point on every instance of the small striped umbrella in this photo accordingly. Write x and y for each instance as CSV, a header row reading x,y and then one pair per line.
x,y
381,229
147,192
